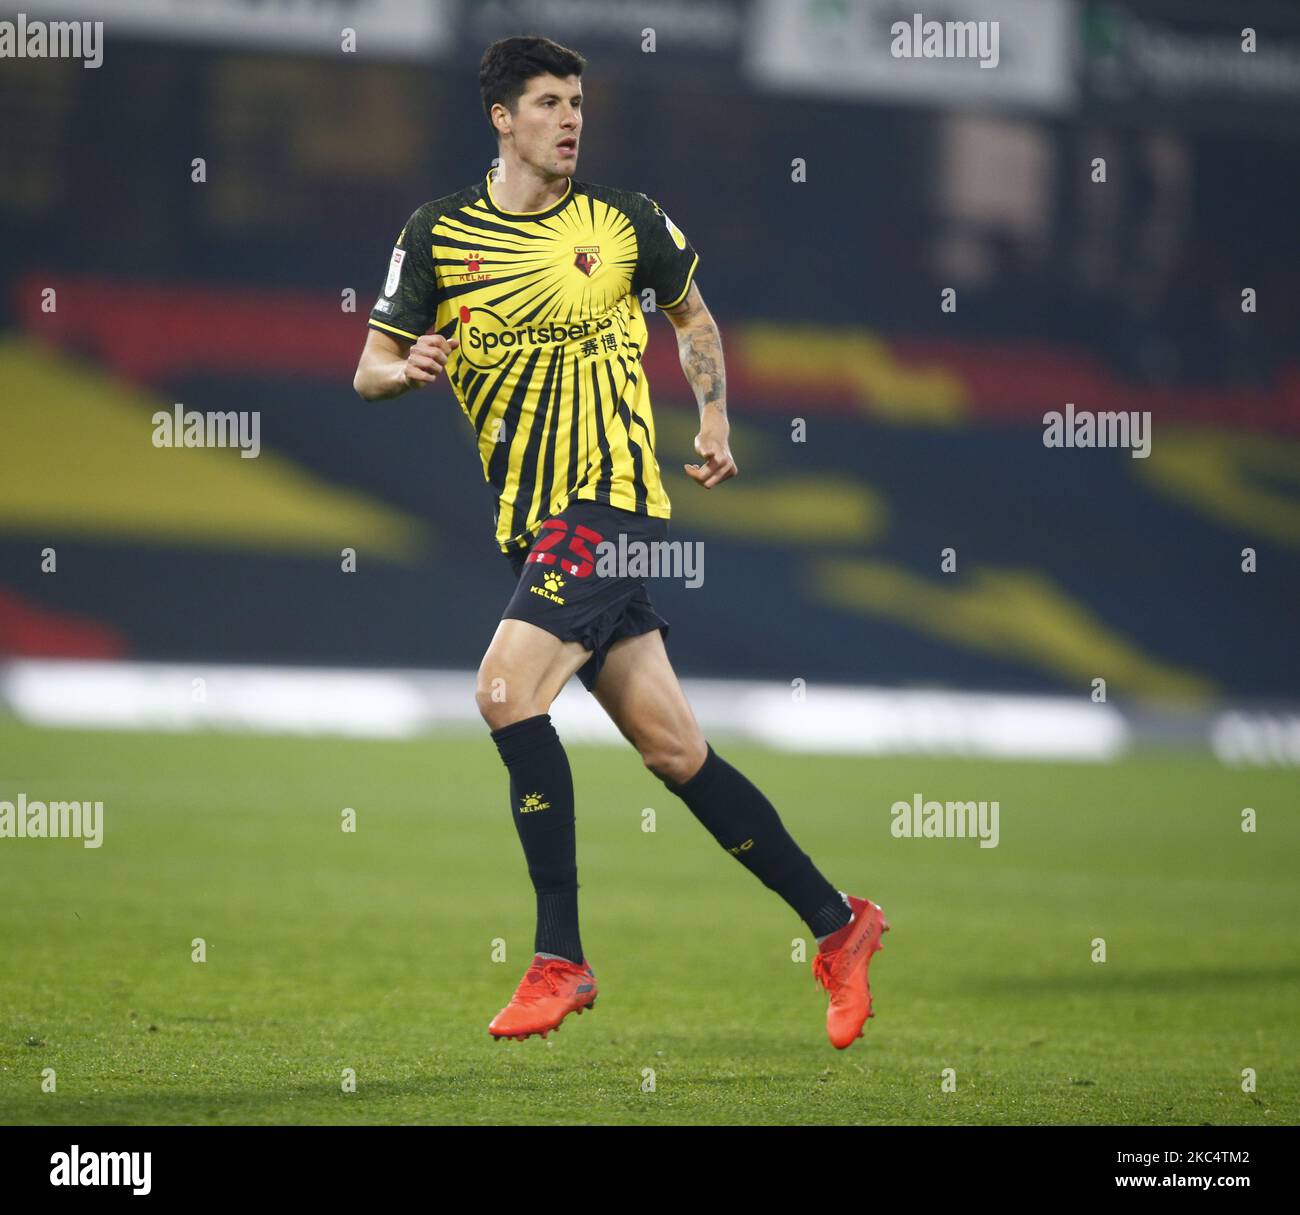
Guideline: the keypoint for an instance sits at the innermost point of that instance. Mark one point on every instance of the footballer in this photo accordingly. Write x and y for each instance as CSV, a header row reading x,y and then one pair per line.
x,y
526,291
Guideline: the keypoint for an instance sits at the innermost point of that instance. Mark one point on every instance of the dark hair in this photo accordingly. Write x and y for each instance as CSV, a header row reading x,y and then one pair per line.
x,y
508,65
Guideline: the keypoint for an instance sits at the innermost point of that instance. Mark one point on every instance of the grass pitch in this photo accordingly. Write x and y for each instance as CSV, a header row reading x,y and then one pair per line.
x,y
373,950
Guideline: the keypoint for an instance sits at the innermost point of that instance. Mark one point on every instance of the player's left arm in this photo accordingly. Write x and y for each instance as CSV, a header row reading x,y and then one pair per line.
x,y
699,346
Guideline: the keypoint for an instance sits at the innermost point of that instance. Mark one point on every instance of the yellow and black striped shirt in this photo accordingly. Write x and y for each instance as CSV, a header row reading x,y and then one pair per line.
x,y
549,309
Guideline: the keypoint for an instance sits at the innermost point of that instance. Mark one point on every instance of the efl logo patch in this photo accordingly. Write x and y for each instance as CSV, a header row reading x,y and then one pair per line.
x,y
673,230
587,258
394,271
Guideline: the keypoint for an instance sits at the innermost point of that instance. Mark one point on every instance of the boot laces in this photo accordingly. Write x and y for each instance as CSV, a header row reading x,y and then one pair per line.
x,y
824,967
546,983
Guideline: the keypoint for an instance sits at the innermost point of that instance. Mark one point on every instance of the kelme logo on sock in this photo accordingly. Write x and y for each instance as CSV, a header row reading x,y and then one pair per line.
x,y
532,801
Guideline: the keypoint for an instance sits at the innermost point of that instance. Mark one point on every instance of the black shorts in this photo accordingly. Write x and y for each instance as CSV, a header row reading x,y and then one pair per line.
x,y
560,589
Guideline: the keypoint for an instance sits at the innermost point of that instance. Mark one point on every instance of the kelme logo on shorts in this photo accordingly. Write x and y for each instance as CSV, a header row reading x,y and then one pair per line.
x,y
487,339
551,583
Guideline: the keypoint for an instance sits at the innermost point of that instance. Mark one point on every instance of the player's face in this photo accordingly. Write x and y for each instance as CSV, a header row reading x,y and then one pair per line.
x,y
547,124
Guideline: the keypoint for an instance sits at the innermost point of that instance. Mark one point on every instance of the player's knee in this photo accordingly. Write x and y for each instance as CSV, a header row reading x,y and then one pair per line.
x,y
674,758
496,705
504,713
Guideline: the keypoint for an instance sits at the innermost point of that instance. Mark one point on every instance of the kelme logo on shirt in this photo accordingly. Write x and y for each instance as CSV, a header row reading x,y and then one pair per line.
x,y
474,272
487,339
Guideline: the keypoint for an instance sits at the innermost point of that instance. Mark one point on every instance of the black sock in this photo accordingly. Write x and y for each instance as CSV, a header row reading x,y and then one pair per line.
x,y
541,799
747,825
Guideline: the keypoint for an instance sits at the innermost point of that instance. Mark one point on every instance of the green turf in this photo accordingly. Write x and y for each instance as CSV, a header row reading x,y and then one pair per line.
x,y
372,950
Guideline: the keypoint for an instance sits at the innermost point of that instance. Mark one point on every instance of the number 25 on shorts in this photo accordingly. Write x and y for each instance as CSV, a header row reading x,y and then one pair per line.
x,y
555,530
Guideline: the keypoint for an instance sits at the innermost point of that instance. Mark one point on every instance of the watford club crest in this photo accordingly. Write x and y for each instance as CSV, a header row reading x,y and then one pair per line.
x,y
587,258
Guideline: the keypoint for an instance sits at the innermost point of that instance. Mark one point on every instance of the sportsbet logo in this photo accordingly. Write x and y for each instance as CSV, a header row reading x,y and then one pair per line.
x,y
486,339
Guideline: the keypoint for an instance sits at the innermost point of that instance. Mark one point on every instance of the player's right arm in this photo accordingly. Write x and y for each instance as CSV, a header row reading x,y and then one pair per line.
x,y
390,365
396,358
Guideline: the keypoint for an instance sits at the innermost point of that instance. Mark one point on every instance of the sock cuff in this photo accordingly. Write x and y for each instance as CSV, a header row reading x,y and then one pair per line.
x,y
701,779
521,738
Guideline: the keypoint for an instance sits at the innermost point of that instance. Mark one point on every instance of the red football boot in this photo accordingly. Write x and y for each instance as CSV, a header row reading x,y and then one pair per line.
x,y
841,967
551,989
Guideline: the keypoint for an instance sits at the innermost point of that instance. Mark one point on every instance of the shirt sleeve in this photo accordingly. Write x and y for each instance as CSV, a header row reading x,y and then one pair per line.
x,y
665,259
409,300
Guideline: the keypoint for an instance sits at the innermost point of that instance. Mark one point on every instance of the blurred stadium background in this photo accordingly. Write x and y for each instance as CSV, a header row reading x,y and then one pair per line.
x,y
169,617
923,427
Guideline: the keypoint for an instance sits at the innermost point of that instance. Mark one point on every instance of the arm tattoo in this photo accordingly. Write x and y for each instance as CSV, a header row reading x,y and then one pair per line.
x,y
700,348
